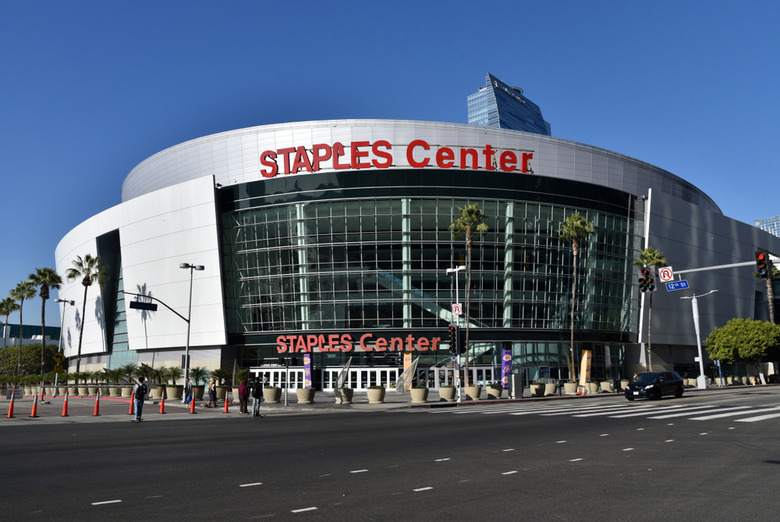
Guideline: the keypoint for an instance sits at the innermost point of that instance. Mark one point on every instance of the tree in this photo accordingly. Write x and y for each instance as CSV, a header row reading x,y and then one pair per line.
x,y
652,258
45,279
746,340
7,307
24,290
575,229
89,269
471,220
773,273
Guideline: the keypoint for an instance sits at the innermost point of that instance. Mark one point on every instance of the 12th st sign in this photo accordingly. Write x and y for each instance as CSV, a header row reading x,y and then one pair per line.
x,y
677,285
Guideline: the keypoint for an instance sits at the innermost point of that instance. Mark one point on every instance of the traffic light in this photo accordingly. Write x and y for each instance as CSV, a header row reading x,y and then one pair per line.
x,y
762,264
453,331
650,281
456,339
644,276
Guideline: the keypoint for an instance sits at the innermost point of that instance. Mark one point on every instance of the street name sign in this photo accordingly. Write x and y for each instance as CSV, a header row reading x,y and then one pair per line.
x,y
677,285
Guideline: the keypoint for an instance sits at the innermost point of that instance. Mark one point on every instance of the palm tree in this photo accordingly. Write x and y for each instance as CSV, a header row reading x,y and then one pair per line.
x,y
46,279
24,290
7,307
650,257
575,229
471,220
88,269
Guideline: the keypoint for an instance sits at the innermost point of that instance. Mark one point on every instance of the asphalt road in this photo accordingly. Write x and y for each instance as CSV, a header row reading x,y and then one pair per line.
x,y
604,459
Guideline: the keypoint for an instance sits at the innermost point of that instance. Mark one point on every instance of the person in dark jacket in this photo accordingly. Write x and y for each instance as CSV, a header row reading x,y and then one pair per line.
x,y
257,395
243,397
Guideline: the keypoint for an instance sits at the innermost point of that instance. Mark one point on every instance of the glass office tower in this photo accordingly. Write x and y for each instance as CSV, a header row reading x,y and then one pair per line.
x,y
504,107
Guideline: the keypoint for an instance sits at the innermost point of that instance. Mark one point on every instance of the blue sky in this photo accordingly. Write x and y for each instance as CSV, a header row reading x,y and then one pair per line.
x,y
91,88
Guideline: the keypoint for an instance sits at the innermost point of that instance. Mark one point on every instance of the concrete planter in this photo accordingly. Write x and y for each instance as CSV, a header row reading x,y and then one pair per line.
x,y
376,395
606,386
197,392
593,388
494,392
174,392
570,388
83,391
61,390
344,395
272,395
127,391
419,395
537,389
447,393
550,388
305,395
473,392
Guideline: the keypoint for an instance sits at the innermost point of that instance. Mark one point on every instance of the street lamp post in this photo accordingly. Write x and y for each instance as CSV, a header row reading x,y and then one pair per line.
x,y
701,380
191,268
451,271
59,347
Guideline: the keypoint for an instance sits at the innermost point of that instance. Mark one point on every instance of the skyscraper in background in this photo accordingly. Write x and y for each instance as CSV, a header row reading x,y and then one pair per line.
x,y
499,105
771,225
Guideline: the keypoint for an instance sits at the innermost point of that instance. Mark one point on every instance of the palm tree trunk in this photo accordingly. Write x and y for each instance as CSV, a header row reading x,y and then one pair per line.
x,y
571,326
649,331
19,364
468,306
81,330
43,332
770,296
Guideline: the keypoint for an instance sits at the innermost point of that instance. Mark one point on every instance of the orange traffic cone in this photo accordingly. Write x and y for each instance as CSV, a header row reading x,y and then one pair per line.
x,y
132,404
192,404
11,407
162,403
226,404
97,404
65,404
34,412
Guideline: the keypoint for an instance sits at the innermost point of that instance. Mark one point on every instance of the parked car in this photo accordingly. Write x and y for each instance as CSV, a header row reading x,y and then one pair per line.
x,y
655,385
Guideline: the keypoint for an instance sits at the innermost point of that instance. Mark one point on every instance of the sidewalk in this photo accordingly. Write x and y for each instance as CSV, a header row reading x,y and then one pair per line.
x,y
112,409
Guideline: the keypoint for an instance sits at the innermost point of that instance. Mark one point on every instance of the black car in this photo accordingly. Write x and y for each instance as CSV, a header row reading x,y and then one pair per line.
x,y
655,385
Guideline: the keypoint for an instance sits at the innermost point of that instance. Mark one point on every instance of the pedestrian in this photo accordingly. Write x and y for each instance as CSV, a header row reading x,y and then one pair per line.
x,y
139,393
187,390
257,395
212,394
243,397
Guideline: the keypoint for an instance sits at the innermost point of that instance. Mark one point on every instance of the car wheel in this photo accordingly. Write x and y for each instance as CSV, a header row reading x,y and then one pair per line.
x,y
629,398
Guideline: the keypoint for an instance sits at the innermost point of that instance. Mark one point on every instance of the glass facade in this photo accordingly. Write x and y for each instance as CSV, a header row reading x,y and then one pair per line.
x,y
499,105
358,259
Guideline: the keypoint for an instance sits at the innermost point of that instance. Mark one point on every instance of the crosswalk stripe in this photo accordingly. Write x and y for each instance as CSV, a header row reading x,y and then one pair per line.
x,y
760,417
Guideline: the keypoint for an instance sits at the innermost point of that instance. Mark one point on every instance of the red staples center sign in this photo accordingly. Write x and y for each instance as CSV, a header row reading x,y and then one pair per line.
x,y
347,343
381,155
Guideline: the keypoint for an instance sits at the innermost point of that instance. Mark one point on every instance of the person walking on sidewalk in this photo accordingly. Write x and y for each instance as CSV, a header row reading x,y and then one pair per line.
x,y
243,397
257,395
187,395
139,393
212,394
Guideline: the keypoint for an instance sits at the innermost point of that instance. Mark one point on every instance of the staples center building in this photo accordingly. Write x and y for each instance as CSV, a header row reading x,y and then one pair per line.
x,y
330,239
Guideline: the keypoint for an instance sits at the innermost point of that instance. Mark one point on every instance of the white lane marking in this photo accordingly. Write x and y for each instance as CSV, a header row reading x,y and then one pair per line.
x,y
302,510
730,413
560,441
759,418
628,449
508,449
604,435
575,460
686,413
669,440
250,485
509,472
106,502
422,489
442,460
359,471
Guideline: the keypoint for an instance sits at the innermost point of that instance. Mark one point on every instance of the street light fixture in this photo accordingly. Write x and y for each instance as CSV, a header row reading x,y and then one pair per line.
x,y
451,271
59,347
191,268
701,380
